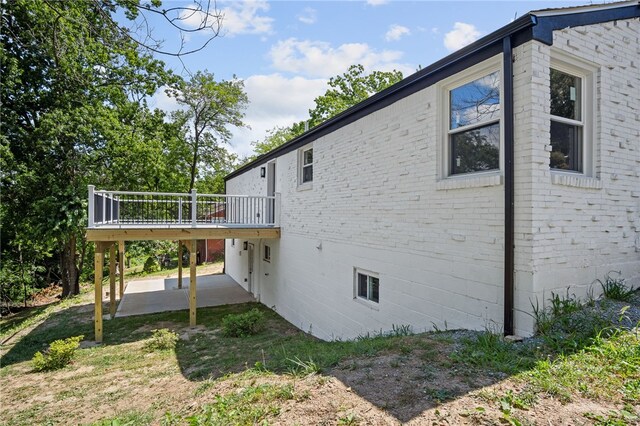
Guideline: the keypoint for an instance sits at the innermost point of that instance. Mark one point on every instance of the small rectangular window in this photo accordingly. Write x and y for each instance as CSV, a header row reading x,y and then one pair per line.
x,y
566,122
474,125
307,166
367,286
267,254
233,242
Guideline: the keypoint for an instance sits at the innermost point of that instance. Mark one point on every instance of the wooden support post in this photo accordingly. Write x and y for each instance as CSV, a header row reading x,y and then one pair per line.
x,y
121,266
99,261
179,264
112,280
192,284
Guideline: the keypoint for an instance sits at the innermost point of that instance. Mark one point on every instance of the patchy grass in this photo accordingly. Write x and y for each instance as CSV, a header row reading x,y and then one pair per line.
x,y
283,375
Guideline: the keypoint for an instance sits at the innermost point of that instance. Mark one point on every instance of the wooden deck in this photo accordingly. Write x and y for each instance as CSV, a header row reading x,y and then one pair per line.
x,y
142,232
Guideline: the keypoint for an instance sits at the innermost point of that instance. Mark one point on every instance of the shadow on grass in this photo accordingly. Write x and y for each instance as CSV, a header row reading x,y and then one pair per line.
x,y
403,375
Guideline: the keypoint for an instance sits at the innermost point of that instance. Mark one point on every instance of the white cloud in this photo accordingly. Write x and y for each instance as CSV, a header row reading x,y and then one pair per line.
x,y
244,17
377,2
274,100
320,59
396,32
461,35
241,17
309,16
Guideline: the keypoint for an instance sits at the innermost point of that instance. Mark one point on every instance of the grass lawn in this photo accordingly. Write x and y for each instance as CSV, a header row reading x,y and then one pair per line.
x,y
284,376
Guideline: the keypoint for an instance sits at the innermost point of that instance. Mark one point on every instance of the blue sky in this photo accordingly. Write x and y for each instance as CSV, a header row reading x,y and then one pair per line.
x,y
285,51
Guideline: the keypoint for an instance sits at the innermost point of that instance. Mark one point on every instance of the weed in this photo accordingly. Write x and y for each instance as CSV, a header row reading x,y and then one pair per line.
x,y
401,330
491,350
252,405
59,354
615,288
303,368
161,340
476,413
348,420
242,325
624,417
440,395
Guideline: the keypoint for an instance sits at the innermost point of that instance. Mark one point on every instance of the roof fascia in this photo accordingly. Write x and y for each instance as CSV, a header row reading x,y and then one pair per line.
x,y
548,23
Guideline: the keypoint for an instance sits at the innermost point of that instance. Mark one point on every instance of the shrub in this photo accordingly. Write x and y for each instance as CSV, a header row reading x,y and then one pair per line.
x,y
151,265
615,288
58,355
242,325
161,340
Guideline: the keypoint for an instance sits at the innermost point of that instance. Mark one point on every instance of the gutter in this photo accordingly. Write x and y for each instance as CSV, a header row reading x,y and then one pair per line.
x,y
509,228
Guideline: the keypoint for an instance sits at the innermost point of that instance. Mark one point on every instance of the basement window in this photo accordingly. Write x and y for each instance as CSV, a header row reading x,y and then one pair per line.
x,y
367,285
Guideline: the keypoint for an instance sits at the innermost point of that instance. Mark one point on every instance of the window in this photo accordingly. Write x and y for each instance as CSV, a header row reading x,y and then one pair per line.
x,y
267,254
367,286
233,242
567,122
306,165
474,126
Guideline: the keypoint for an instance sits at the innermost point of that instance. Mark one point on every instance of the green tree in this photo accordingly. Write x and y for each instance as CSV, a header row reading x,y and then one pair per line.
x,y
210,108
345,91
72,81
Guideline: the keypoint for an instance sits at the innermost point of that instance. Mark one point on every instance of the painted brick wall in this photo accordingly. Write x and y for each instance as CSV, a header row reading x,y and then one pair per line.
x,y
584,228
376,203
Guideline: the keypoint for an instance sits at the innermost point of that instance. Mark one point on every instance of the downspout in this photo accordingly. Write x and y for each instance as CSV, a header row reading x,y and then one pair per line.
x,y
507,57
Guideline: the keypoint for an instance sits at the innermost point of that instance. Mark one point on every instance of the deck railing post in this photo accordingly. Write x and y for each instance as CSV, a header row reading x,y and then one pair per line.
x,y
91,206
276,212
180,210
194,207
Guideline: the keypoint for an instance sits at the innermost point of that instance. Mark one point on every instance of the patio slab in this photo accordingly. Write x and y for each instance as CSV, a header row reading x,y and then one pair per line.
x,y
163,294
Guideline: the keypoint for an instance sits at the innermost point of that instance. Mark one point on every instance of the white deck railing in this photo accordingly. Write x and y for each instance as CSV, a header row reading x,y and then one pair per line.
x,y
131,209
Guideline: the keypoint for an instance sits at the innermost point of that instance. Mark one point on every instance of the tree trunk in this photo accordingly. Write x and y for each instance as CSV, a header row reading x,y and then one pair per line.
x,y
69,269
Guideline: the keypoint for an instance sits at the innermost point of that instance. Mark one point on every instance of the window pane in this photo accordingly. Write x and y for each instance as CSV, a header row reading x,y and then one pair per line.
x,y
566,95
566,147
362,285
476,150
308,156
307,174
475,102
375,289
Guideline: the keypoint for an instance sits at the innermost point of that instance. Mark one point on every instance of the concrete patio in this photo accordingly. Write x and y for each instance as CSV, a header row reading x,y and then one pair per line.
x,y
163,294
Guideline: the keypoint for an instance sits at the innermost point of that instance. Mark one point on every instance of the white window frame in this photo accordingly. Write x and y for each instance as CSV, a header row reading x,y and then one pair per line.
x,y
266,253
483,69
301,166
366,300
587,72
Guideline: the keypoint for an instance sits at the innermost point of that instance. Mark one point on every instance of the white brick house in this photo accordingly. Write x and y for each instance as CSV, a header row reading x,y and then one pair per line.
x,y
402,209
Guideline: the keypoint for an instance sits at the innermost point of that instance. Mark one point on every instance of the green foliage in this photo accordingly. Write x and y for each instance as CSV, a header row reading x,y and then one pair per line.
x,y
251,405
59,354
345,91
490,350
211,108
162,339
73,113
598,371
151,265
242,325
616,289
